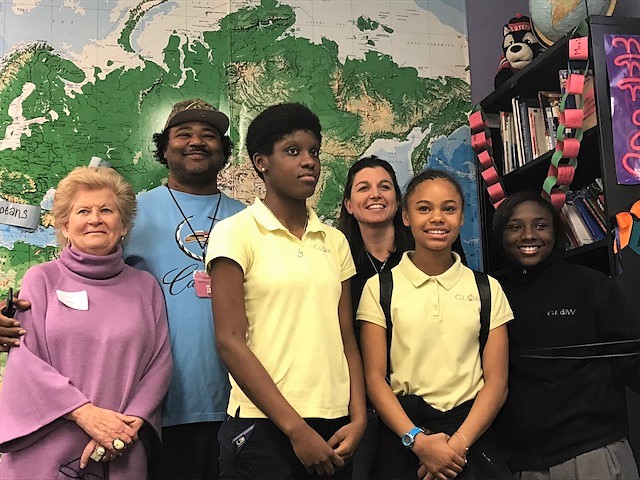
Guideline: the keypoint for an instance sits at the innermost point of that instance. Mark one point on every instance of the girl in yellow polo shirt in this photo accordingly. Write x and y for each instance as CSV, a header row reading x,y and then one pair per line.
x,y
283,319
442,394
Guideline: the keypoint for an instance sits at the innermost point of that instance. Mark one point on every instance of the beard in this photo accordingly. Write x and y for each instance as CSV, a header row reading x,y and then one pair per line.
x,y
197,174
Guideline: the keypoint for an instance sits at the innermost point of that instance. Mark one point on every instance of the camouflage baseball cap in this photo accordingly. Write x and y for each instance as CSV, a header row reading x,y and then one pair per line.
x,y
197,110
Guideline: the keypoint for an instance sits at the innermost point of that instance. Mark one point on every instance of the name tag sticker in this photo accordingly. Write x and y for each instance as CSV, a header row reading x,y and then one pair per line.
x,y
203,284
76,300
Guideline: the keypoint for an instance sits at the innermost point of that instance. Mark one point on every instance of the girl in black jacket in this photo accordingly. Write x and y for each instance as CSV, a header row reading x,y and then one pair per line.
x,y
565,417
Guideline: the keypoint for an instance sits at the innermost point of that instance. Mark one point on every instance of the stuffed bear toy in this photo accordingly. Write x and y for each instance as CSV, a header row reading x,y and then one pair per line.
x,y
519,48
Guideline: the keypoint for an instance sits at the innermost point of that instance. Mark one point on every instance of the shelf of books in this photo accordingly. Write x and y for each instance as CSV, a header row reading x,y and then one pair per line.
x,y
528,130
523,116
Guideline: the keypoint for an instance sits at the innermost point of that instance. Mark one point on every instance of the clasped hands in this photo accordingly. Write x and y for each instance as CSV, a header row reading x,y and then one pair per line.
x,y
326,457
441,456
111,432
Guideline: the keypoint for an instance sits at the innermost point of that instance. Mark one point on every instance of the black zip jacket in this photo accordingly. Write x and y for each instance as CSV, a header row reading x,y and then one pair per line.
x,y
560,408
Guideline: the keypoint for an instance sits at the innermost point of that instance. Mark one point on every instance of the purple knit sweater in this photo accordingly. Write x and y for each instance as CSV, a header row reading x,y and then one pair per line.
x,y
115,355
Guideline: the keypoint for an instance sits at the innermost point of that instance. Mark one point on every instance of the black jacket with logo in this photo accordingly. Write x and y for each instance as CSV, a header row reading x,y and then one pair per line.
x,y
559,408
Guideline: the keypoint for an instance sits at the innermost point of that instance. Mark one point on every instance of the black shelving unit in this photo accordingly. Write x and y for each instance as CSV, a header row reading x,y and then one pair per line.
x,y
596,159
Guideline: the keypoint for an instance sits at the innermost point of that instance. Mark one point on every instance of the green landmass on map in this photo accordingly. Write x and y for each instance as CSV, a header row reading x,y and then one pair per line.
x,y
365,24
251,61
14,263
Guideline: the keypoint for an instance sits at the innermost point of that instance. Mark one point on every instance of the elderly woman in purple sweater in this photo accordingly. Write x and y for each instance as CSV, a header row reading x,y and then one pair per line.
x,y
82,395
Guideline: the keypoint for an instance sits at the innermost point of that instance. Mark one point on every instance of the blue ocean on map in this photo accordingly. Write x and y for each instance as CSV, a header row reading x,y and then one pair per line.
x,y
398,153
61,26
42,237
144,23
453,154
449,12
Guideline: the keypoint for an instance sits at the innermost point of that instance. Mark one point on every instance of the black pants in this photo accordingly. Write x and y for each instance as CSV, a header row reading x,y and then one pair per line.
x,y
189,452
367,450
254,448
484,459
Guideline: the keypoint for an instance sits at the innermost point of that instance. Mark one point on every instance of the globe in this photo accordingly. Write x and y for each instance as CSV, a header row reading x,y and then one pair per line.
x,y
552,19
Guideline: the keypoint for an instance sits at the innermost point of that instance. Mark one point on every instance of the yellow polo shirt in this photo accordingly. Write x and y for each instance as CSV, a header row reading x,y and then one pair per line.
x,y
436,321
292,288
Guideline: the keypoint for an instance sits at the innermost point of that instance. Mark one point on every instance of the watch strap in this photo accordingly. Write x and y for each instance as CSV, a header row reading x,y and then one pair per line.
x,y
409,438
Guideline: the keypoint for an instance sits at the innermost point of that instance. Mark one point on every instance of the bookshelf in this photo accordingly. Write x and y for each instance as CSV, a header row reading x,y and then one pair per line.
x,y
596,159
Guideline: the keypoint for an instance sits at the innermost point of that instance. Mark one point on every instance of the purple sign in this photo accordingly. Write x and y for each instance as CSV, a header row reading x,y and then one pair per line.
x,y
623,69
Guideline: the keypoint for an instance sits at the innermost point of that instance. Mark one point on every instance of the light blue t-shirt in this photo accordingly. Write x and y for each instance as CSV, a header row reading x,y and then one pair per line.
x,y
168,246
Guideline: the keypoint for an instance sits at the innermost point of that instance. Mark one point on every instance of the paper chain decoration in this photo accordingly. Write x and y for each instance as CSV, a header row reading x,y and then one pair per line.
x,y
481,144
568,136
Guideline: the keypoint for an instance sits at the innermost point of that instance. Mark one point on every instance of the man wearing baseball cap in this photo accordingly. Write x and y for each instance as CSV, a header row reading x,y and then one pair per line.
x,y
169,240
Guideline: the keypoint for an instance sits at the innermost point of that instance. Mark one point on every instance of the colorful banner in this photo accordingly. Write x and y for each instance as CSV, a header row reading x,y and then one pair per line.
x,y
623,69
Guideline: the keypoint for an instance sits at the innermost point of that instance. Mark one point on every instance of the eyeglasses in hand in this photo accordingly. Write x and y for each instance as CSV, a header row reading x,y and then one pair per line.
x,y
73,470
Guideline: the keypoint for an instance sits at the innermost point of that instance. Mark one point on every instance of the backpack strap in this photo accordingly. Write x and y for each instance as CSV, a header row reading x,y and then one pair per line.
x,y
484,290
386,289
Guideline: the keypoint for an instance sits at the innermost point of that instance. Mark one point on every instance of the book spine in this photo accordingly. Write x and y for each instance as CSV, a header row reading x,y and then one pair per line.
x,y
541,131
597,193
517,130
577,226
550,126
524,129
571,236
535,153
506,148
598,214
594,229
589,97
513,143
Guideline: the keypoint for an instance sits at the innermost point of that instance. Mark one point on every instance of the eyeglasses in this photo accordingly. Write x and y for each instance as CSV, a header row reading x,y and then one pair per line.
x,y
75,471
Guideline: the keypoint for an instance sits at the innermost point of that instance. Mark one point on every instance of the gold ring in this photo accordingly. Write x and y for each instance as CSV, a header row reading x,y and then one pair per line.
x,y
98,453
118,444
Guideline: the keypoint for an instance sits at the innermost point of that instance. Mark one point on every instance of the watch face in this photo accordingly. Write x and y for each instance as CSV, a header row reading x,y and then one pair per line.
x,y
409,437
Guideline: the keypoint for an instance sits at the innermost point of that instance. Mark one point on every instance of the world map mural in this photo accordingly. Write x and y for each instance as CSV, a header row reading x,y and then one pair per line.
x,y
85,78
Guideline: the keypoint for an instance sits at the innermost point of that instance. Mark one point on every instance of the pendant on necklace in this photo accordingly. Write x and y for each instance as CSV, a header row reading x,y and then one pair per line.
x,y
300,253
374,265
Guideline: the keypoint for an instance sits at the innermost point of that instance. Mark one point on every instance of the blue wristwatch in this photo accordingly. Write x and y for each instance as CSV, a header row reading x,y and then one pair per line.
x,y
409,438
